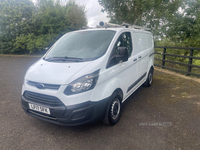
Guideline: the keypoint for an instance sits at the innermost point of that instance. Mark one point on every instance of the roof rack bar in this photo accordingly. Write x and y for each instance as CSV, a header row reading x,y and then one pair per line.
x,y
135,26
112,25
127,25
108,25
86,27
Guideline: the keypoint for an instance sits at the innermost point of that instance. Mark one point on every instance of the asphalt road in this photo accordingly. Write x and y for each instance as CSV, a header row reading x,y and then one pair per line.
x,y
165,116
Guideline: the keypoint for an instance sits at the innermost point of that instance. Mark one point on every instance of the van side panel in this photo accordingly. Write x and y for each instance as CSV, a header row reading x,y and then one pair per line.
x,y
111,79
143,46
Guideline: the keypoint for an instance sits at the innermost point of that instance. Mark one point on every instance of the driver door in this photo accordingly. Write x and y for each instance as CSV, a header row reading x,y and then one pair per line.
x,y
127,70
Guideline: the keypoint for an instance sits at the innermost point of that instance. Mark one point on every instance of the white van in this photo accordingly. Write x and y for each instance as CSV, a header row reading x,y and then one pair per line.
x,y
87,74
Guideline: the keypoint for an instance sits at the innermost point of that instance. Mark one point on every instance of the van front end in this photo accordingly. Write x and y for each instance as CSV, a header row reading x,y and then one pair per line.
x,y
64,104
59,87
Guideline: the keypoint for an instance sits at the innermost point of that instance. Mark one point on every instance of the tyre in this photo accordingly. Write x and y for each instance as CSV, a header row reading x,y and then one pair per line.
x,y
149,80
113,112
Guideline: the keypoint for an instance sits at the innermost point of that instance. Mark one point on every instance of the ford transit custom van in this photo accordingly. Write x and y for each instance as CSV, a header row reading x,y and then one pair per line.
x,y
87,74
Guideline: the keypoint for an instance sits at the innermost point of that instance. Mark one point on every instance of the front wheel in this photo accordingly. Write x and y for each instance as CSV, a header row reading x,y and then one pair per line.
x,y
113,111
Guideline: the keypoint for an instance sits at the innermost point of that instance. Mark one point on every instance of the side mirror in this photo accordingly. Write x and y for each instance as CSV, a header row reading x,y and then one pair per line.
x,y
123,54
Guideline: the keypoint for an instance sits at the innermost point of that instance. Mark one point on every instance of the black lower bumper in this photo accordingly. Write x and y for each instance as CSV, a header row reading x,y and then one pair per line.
x,y
79,114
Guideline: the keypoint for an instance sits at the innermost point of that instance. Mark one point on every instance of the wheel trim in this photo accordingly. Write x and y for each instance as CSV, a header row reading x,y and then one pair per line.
x,y
115,109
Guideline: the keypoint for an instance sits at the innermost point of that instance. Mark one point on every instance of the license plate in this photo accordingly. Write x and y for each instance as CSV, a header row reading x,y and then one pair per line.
x,y
39,108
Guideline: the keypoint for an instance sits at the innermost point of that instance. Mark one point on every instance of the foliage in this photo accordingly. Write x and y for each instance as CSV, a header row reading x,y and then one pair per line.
x,y
151,13
15,18
184,26
183,31
29,28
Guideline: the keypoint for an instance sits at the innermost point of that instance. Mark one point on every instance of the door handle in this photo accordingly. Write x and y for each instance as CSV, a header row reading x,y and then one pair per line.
x,y
135,59
140,57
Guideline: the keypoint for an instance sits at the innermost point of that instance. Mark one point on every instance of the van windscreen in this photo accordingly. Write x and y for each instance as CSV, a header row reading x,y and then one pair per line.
x,y
83,45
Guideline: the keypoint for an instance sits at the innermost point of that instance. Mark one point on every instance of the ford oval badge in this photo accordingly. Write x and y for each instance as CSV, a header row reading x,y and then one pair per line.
x,y
40,86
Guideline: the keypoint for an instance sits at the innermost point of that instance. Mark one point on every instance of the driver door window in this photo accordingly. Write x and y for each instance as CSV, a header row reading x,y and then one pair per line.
x,y
124,40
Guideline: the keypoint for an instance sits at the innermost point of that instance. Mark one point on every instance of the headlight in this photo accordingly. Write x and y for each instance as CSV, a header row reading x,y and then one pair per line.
x,y
82,84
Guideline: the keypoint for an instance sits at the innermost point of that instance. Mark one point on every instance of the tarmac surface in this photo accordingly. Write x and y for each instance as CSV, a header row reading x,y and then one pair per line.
x,y
165,116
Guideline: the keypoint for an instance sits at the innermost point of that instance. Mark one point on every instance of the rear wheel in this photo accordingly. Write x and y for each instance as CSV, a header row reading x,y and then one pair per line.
x,y
113,111
149,80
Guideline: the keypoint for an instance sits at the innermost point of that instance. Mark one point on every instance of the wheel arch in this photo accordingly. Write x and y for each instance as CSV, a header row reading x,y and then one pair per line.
x,y
119,92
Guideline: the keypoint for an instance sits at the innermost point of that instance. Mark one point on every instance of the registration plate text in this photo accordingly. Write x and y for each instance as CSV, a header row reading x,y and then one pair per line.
x,y
39,108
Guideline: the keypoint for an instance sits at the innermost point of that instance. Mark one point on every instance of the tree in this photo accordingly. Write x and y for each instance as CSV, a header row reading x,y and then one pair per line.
x,y
76,15
153,14
139,12
29,28
15,19
184,26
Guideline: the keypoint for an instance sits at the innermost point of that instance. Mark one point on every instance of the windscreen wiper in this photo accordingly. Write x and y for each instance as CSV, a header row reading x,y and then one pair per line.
x,y
64,59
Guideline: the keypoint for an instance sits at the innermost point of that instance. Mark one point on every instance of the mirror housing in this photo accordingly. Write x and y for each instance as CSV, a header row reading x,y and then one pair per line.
x,y
123,54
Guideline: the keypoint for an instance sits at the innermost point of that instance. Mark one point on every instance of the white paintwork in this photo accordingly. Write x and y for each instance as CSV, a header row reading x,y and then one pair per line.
x,y
120,76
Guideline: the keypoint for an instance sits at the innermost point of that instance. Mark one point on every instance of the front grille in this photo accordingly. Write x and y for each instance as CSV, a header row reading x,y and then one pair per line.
x,y
42,99
46,86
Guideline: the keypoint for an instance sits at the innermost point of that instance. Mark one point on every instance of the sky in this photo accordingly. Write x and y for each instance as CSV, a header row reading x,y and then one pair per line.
x,y
94,14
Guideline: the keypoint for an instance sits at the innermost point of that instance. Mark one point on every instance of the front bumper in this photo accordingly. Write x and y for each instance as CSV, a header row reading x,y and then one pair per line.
x,y
79,114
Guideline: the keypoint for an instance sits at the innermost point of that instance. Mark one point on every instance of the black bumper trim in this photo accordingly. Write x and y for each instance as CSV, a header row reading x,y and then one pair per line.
x,y
73,115
136,82
33,112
